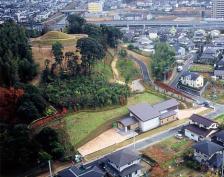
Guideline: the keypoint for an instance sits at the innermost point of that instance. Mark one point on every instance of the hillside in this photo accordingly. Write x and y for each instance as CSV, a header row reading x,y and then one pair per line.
x,y
52,36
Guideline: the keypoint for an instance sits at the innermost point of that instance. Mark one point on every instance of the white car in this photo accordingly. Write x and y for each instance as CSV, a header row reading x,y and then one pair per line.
x,y
179,136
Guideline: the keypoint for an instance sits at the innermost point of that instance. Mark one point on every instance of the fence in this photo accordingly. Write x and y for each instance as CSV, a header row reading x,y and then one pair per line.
x,y
170,91
44,120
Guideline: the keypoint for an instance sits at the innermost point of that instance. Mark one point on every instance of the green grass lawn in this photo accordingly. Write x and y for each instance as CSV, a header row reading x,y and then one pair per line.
x,y
220,118
201,68
80,125
128,69
104,67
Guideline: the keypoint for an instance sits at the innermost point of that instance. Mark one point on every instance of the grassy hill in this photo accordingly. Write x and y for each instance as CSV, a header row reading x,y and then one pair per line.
x,y
52,36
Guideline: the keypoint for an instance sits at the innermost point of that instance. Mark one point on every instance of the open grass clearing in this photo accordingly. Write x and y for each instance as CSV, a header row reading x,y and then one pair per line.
x,y
201,68
53,36
80,125
104,67
128,69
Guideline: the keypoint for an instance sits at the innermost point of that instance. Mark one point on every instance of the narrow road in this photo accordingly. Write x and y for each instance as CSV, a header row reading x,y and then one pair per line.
x,y
141,144
185,68
144,70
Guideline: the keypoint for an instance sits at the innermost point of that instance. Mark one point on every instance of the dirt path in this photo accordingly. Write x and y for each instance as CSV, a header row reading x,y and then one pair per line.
x,y
136,85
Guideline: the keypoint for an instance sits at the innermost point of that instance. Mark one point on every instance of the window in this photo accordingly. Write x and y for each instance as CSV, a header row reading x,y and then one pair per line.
x,y
136,172
192,135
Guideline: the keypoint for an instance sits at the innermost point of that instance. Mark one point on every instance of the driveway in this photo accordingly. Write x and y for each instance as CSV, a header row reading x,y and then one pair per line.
x,y
108,138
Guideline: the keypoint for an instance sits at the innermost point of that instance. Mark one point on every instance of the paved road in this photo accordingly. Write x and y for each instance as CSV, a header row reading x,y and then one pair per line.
x,y
171,132
144,70
185,68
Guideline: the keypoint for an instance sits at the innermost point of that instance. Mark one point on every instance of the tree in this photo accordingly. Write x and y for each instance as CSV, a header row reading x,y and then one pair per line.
x,y
75,24
93,31
91,51
131,47
123,53
16,63
111,35
162,60
49,141
57,48
20,151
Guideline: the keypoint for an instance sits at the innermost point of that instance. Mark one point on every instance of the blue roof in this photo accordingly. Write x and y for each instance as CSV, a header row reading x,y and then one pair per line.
x,y
207,147
216,161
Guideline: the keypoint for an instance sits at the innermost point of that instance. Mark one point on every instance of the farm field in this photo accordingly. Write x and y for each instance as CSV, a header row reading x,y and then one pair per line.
x,y
167,153
201,68
81,125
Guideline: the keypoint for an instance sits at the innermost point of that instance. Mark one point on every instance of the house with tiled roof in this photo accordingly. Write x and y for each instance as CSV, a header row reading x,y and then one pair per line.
x,y
200,128
208,153
144,116
192,80
218,138
219,69
122,163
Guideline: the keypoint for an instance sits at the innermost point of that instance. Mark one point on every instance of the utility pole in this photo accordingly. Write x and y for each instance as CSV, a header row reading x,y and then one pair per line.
x,y
49,163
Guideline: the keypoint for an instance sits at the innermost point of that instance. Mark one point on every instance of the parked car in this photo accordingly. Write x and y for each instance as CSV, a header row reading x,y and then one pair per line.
x,y
179,68
179,136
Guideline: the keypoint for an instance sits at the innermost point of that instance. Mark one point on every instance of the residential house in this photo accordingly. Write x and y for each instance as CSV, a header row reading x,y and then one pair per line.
x,y
199,36
219,69
209,56
123,163
82,171
145,117
218,138
191,79
180,51
208,153
200,128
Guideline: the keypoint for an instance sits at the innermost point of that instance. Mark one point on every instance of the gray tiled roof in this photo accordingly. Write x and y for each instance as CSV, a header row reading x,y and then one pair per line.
x,y
144,111
201,120
220,134
193,76
77,172
128,121
207,147
166,104
123,157
216,161
130,170
219,72
199,131
168,114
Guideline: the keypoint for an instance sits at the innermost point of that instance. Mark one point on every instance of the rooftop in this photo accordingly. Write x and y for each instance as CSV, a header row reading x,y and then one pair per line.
x,y
123,157
207,147
202,120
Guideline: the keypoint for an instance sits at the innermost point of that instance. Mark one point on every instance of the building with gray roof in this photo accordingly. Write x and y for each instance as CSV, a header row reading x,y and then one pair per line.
x,y
144,116
207,152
